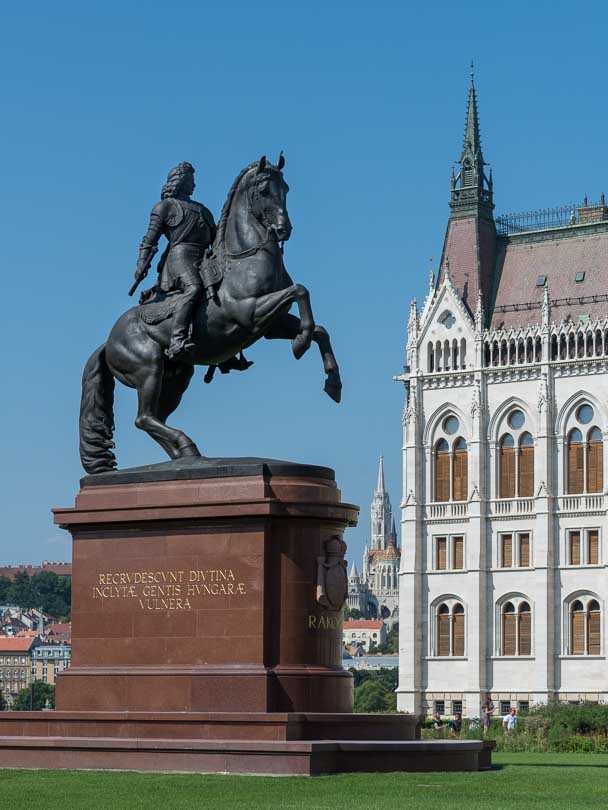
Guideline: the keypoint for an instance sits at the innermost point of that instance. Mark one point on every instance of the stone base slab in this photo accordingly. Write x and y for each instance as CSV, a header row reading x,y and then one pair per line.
x,y
258,726
230,742
279,758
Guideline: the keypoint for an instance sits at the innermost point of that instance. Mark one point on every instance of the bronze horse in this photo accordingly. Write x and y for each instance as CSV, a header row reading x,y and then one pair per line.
x,y
252,301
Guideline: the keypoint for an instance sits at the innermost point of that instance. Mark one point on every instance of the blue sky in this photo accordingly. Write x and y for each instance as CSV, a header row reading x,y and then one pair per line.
x,y
368,102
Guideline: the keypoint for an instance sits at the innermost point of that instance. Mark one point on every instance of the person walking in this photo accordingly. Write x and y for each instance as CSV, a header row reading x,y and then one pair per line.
x,y
509,723
486,716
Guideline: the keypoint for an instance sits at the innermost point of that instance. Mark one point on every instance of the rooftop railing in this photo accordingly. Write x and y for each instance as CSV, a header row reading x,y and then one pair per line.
x,y
537,220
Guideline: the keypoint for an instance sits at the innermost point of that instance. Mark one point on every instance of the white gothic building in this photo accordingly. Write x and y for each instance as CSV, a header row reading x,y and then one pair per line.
x,y
503,567
376,591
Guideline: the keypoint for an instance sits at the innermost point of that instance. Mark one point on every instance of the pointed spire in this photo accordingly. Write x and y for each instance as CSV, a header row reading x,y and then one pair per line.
x,y
354,574
479,188
472,139
394,533
380,484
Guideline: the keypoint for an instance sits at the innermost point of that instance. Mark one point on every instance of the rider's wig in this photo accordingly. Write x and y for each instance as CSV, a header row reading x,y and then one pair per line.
x,y
175,179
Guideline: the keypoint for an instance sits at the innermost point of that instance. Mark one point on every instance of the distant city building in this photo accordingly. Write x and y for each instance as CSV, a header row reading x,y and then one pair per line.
x,y
503,581
16,665
364,633
49,659
62,569
375,592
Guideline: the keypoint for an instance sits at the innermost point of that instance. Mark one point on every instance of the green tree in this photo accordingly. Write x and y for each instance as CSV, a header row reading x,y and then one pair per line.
x,y
35,698
352,613
373,696
21,592
392,641
5,585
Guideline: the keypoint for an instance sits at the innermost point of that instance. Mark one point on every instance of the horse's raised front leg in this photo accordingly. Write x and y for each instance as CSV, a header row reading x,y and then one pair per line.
x,y
288,328
269,306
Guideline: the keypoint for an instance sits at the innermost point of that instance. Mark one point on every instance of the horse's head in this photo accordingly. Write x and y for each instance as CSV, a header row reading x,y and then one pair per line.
x,y
268,197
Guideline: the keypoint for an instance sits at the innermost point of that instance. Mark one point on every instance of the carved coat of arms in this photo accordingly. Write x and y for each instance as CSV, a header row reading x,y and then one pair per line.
x,y
332,580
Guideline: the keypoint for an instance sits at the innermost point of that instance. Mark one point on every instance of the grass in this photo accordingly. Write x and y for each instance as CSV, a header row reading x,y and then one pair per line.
x,y
518,780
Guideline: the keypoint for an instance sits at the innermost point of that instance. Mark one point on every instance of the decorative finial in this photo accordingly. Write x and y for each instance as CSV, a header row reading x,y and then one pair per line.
x,y
479,315
447,267
431,276
472,72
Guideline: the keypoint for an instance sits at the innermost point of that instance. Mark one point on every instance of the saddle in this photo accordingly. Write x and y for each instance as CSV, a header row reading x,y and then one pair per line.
x,y
156,305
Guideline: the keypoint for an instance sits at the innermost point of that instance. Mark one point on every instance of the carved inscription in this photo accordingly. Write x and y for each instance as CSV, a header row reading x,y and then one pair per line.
x,y
324,622
168,590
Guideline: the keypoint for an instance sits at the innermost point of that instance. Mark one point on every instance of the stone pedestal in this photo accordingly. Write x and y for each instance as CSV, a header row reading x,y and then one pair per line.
x,y
199,592
207,632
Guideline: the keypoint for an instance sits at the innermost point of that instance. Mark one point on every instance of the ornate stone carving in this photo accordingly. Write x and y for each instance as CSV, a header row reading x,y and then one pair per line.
x,y
476,401
332,579
542,402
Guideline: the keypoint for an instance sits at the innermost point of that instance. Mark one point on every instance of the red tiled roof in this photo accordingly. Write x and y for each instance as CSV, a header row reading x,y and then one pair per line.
x,y
558,255
15,644
469,246
63,569
363,624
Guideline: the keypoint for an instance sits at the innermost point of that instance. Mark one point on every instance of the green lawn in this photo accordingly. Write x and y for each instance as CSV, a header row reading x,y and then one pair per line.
x,y
520,781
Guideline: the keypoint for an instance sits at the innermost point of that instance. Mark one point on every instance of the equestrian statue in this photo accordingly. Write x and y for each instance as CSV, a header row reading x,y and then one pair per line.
x,y
219,290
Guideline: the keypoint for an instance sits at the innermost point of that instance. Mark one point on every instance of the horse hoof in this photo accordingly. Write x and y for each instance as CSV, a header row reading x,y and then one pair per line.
x,y
188,450
333,390
300,345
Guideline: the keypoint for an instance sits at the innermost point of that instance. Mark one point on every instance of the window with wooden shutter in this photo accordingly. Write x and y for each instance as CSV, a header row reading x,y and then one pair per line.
x,y
460,470
575,548
458,619
593,546
441,547
577,629
526,466
524,549
459,552
575,462
506,550
525,629
508,629
595,461
443,630
507,468
593,628
442,471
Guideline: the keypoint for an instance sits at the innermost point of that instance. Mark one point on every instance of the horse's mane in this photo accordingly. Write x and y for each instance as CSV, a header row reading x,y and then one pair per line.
x,y
221,225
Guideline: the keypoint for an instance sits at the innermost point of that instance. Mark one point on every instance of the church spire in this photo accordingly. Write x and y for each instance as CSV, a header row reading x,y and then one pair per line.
x,y
470,188
380,484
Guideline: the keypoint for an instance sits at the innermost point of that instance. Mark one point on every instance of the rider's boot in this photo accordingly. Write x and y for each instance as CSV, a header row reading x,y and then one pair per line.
x,y
181,347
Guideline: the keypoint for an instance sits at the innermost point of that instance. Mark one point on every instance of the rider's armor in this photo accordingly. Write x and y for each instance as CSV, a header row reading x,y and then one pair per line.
x,y
190,229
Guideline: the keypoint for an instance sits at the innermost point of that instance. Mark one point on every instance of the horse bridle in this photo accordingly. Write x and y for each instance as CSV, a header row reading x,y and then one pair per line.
x,y
252,194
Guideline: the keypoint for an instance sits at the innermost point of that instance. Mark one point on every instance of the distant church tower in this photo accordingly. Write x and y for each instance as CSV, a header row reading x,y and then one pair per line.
x,y
380,577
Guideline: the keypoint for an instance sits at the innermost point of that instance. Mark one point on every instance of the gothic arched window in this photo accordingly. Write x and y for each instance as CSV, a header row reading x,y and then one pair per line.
x,y
507,467
595,460
516,627
460,477
576,462
450,630
442,471
526,466
585,626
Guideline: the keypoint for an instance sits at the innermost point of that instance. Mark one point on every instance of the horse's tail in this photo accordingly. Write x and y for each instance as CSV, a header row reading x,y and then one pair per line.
x,y
97,414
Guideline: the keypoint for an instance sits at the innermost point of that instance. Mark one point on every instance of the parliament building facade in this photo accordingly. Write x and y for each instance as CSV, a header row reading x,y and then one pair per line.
x,y
503,565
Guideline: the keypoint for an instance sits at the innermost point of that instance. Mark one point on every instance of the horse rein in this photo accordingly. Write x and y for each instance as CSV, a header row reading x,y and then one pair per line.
x,y
270,228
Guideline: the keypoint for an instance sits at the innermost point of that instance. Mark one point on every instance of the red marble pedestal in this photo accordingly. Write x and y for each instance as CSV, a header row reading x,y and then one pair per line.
x,y
200,594
207,632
